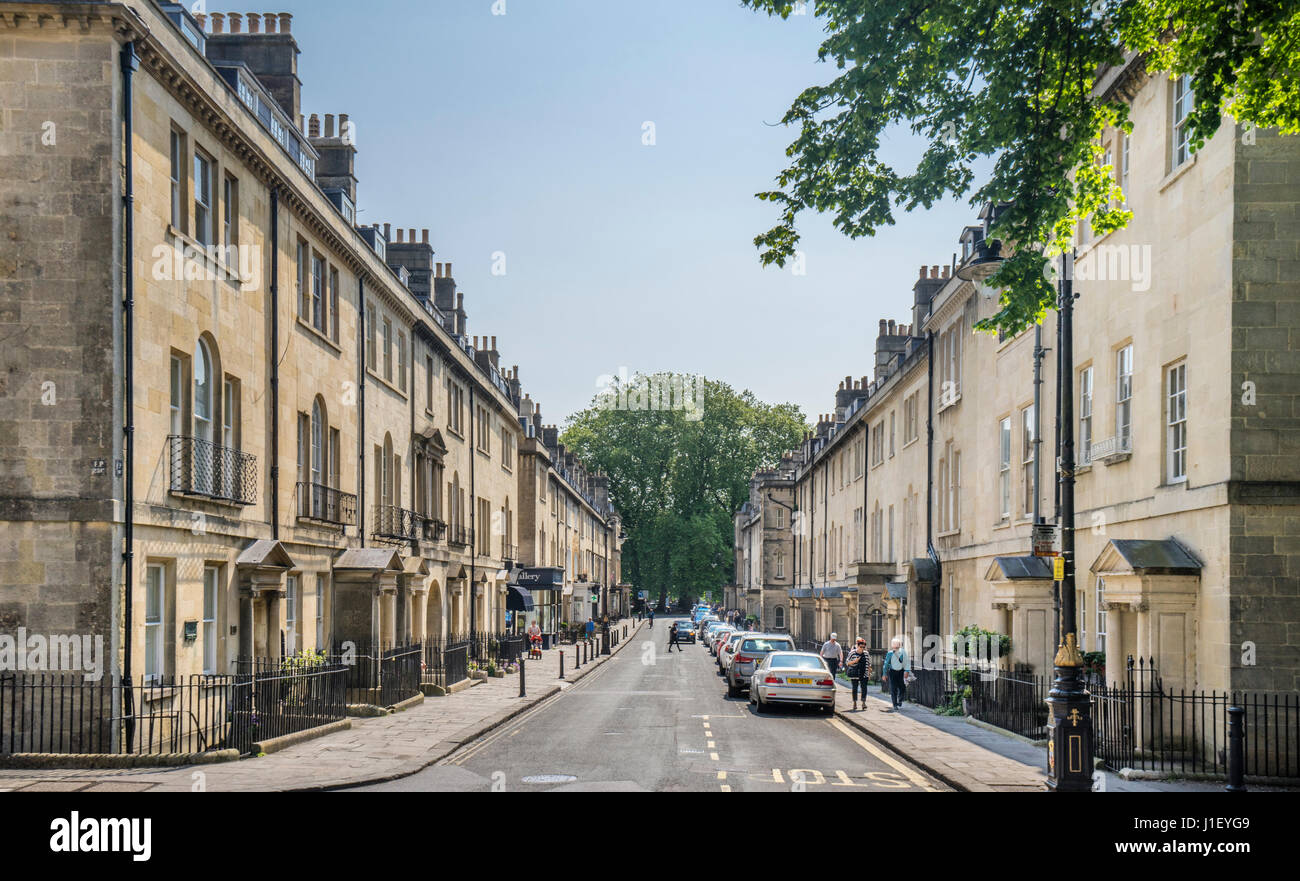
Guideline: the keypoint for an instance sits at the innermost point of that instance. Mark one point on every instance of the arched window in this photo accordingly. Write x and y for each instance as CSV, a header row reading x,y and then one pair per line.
x,y
778,618
317,444
206,462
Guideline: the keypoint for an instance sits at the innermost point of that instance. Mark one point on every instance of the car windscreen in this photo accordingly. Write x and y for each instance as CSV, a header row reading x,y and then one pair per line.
x,y
795,662
767,645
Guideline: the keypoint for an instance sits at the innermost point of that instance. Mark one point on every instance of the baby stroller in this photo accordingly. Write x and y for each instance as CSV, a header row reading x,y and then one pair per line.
x,y
535,648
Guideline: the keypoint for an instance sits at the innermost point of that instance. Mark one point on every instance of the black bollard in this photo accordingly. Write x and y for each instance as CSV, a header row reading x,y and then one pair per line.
x,y
1236,745
521,678
561,665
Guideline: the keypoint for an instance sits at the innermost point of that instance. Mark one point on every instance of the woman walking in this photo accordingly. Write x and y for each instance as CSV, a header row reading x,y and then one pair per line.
x,y
898,666
858,666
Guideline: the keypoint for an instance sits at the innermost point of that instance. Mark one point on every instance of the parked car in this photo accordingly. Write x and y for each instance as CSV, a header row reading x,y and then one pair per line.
x,y
792,678
715,634
726,648
754,647
710,630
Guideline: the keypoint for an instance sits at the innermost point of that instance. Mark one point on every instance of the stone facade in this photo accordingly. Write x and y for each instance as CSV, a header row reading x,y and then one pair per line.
x,y
318,450
765,549
1184,381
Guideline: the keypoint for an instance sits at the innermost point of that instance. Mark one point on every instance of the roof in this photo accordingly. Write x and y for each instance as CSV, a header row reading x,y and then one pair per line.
x,y
897,589
265,552
1019,569
925,569
371,559
1141,556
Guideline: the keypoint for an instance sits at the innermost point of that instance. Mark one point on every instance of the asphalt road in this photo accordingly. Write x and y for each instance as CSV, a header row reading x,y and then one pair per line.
x,y
650,721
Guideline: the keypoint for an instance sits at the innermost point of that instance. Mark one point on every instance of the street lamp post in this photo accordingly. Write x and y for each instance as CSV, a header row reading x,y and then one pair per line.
x,y
1070,732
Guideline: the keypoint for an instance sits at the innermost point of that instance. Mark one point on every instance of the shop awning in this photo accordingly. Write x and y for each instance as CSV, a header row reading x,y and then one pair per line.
x,y
518,599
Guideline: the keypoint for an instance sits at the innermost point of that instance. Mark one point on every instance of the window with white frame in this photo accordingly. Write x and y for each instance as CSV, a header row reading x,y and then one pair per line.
x,y
1004,468
230,212
1027,458
1181,134
320,611
780,564
1176,423
318,316
178,179
1124,395
155,596
372,359
1101,614
388,349
1124,165
401,360
202,198
1085,416
211,575
291,596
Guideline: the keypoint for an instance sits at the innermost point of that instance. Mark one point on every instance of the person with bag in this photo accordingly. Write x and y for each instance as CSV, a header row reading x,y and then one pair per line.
x,y
898,670
858,666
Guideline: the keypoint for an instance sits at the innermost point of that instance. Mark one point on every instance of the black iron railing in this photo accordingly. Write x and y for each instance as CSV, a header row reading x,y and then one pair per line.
x,y
501,647
202,468
460,535
1140,724
434,530
445,663
380,675
509,552
1015,702
391,522
324,503
65,714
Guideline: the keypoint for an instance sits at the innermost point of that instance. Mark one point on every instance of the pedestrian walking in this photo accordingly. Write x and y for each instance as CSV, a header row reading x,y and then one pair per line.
x,y
652,619
898,670
858,666
832,653
672,638
591,629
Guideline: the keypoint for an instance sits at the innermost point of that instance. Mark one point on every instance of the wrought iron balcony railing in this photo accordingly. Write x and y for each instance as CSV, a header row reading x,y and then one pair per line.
x,y
202,468
1111,449
396,523
434,529
460,535
509,552
324,503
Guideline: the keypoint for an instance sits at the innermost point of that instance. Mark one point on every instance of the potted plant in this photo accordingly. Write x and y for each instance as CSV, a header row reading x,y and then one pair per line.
x,y
966,695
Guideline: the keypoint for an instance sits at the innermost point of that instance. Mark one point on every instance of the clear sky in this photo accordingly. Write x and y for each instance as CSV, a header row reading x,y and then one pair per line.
x,y
523,134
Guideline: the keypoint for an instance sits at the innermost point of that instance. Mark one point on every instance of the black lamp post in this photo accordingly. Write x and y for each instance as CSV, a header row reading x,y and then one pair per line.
x,y
1070,733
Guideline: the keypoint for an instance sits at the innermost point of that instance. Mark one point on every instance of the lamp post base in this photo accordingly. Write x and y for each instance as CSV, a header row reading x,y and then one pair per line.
x,y
1069,733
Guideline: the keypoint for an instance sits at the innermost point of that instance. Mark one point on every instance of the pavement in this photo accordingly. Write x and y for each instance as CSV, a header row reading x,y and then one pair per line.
x,y
974,757
658,721
373,749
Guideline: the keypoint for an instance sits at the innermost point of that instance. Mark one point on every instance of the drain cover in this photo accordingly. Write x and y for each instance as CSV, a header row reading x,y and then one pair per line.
x,y
549,778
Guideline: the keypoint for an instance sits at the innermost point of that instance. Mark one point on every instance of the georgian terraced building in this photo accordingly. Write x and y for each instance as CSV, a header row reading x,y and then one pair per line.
x,y
916,497
235,422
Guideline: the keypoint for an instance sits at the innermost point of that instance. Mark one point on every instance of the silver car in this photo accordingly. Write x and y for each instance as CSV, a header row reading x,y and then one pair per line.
x,y
792,678
754,647
727,649
713,633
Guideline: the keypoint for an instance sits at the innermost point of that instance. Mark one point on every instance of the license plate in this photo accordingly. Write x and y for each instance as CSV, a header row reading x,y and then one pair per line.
x,y
793,681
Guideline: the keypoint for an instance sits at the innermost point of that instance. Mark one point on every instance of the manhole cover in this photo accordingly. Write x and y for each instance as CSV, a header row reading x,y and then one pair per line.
x,y
549,778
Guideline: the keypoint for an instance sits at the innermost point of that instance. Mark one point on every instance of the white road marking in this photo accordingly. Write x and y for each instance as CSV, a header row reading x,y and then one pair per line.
x,y
882,755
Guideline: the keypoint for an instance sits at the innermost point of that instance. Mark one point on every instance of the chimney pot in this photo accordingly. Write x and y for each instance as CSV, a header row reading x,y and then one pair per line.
x,y
864,382
411,237
934,271
424,236
460,298
269,17
945,272
494,344
285,19
448,265
218,22
236,22
883,326
388,232
893,328
254,22
202,19
437,268
329,125
399,235
313,126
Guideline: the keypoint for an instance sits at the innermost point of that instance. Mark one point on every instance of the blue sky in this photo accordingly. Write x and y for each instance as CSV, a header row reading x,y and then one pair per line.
x,y
522,133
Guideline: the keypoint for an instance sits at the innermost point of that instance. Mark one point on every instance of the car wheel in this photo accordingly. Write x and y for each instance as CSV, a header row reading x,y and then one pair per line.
x,y
759,706
732,691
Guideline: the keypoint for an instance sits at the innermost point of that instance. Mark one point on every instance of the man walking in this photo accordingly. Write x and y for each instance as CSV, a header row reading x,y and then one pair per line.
x,y
832,653
672,638
652,618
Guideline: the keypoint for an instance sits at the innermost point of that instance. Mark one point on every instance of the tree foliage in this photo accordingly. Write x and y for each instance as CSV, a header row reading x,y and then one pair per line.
x,y
678,475
1012,80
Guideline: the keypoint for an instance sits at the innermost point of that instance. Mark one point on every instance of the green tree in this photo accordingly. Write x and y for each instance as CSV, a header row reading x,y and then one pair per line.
x,y
677,474
1013,80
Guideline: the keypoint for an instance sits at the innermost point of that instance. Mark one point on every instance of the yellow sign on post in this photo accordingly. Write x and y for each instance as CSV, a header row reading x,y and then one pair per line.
x,y
1058,568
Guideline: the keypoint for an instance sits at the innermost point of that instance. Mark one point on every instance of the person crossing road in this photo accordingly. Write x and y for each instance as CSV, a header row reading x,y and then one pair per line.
x,y
672,638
